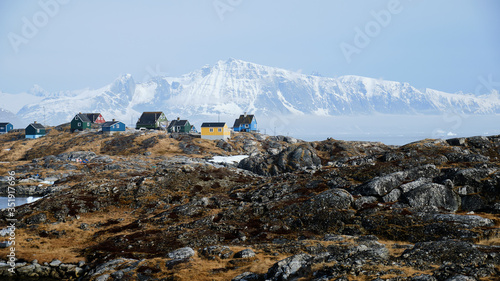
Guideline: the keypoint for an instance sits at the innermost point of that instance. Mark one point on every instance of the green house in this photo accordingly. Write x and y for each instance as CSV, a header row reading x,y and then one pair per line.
x,y
179,126
34,130
80,122
152,120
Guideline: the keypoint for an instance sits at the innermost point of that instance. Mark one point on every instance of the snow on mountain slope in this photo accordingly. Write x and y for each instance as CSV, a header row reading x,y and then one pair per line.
x,y
232,87
7,116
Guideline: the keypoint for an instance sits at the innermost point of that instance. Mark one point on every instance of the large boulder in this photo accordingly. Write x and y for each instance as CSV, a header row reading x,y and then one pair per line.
x,y
335,198
380,186
432,195
296,157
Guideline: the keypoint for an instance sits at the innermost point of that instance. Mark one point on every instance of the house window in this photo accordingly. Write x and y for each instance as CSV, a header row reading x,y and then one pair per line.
x,y
220,130
38,130
2,128
246,125
79,124
211,130
88,123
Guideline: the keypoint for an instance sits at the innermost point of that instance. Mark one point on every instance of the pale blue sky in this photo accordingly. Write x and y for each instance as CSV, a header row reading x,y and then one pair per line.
x,y
444,45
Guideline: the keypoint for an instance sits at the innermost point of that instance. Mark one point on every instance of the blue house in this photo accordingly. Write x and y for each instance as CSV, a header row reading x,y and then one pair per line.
x,y
246,123
5,127
112,127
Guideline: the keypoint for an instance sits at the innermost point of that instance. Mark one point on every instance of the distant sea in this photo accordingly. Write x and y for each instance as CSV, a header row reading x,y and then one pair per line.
x,y
19,201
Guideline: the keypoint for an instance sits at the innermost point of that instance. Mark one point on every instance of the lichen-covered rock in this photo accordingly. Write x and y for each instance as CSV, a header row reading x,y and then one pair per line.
x,y
182,253
244,254
290,268
335,198
432,195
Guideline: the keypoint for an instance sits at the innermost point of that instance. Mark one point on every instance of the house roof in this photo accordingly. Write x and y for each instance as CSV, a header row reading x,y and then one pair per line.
x,y
149,117
244,119
36,126
213,124
110,123
4,123
92,116
177,123
83,117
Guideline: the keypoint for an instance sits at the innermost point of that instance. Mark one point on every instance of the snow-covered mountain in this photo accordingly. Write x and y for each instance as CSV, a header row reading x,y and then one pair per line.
x,y
232,87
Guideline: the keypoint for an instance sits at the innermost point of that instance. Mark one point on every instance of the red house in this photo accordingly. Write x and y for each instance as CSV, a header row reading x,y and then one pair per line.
x,y
95,118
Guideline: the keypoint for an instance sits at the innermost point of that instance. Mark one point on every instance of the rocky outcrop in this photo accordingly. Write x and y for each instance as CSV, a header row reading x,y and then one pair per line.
x,y
432,195
55,269
295,158
304,210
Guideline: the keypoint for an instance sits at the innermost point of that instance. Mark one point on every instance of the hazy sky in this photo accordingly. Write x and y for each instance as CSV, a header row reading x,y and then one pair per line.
x,y
448,45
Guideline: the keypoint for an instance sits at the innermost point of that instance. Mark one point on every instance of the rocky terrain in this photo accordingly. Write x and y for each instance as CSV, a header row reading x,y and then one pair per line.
x,y
153,206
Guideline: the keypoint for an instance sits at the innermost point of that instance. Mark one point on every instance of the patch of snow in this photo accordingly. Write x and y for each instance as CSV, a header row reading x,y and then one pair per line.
x,y
235,159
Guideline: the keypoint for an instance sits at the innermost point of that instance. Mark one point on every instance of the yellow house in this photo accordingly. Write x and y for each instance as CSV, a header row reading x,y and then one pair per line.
x,y
215,131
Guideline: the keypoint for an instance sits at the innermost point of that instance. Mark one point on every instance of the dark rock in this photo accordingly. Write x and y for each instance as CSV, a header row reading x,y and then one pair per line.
x,y
222,252
432,195
335,198
472,202
456,141
247,276
37,219
290,268
461,278
380,186
479,142
466,221
439,252
224,145
423,277
295,157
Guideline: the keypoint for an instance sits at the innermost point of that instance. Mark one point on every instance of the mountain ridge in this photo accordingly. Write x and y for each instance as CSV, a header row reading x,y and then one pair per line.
x,y
234,86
